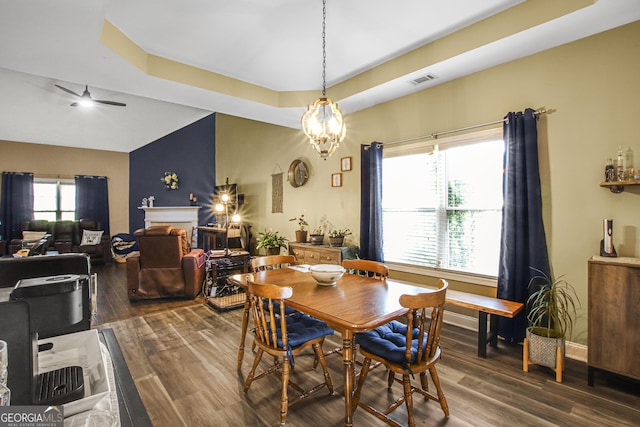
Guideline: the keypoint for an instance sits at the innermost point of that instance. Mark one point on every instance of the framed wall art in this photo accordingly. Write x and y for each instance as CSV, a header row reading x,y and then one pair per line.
x,y
336,180
345,164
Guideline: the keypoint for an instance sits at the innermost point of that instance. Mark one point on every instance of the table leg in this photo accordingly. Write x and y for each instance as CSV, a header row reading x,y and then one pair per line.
x,y
493,331
482,334
243,333
347,353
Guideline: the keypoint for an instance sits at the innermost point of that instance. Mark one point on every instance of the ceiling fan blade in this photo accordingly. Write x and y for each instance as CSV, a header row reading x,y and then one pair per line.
x,y
117,104
75,104
68,91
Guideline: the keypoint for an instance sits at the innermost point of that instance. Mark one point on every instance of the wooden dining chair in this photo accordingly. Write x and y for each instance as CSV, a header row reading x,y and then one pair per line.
x,y
283,337
407,349
364,267
273,262
270,262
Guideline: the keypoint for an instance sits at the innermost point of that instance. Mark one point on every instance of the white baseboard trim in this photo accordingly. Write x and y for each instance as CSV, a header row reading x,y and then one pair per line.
x,y
576,351
461,320
573,350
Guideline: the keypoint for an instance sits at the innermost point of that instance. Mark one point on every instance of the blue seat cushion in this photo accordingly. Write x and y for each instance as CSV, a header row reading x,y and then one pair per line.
x,y
389,342
302,328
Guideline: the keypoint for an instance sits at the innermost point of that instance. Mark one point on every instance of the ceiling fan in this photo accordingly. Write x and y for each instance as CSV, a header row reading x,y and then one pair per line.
x,y
86,100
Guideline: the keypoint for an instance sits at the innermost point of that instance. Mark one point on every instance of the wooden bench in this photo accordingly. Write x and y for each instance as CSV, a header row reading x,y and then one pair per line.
x,y
485,305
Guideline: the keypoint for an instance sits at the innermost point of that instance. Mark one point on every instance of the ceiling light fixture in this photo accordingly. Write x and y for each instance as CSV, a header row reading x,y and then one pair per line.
x,y
323,122
86,101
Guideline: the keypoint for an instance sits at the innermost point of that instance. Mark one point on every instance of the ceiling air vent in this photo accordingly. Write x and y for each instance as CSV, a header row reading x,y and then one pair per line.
x,y
423,79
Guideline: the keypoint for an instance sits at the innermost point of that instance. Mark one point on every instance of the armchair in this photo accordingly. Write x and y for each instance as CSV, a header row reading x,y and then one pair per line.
x,y
164,267
65,235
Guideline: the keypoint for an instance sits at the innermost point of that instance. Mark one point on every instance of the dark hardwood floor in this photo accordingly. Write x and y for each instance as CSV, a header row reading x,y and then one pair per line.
x,y
182,356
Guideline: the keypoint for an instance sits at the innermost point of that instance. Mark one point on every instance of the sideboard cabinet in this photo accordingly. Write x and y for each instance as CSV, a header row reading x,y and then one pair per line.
x,y
307,253
614,316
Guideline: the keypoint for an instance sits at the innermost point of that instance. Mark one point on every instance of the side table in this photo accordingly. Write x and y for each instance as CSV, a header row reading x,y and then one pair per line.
x,y
219,293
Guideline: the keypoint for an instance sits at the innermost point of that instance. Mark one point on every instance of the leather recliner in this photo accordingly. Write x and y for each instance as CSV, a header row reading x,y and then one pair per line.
x,y
99,252
41,225
65,236
164,267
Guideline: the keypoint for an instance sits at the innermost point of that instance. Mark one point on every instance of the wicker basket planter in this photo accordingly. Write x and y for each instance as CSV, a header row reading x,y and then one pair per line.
x,y
542,350
336,241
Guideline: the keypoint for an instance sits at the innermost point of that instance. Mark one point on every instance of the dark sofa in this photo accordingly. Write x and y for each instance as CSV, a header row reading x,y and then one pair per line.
x,y
66,237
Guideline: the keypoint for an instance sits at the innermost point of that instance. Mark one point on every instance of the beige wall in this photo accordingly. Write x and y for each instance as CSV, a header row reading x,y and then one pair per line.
x,y
591,88
63,162
249,152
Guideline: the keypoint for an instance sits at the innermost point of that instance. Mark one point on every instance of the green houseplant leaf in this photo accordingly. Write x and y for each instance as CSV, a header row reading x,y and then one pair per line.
x,y
339,232
270,239
552,305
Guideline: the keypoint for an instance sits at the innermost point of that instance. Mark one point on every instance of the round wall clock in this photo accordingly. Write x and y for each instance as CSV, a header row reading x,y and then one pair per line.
x,y
298,173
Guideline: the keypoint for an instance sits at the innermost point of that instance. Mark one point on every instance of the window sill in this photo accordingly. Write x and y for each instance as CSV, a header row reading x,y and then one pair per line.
x,y
475,279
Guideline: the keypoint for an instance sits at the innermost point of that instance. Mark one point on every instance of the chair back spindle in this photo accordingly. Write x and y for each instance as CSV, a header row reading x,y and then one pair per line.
x,y
429,325
266,313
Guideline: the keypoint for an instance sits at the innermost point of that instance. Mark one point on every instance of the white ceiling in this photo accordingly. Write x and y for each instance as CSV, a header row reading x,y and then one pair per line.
x,y
273,44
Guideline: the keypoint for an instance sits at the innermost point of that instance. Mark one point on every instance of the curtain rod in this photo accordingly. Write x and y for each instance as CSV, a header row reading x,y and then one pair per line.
x,y
435,135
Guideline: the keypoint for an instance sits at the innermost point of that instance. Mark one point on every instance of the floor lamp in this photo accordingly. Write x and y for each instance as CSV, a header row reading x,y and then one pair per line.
x,y
225,199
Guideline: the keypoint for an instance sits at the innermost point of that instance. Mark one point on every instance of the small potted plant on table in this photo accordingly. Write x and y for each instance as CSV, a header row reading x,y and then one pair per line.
x,y
336,237
301,232
271,241
552,310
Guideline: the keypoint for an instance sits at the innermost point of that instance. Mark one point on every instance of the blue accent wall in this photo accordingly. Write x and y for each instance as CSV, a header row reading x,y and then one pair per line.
x,y
190,153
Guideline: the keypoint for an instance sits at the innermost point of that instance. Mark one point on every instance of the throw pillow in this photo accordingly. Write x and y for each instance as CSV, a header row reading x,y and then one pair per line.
x,y
33,235
90,237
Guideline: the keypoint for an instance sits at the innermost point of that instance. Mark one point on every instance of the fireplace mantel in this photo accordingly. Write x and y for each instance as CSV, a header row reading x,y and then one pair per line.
x,y
177,216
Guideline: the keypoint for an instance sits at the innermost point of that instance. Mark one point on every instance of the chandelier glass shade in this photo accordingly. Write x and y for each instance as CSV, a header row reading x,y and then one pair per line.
x,y
324,126
323,122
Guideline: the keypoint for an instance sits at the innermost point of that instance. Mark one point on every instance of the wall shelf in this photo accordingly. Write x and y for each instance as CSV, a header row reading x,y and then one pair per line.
x,y
618,186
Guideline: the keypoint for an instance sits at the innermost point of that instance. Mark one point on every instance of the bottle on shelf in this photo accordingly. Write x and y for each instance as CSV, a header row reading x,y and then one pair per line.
x,y
609,171
628,163
620,165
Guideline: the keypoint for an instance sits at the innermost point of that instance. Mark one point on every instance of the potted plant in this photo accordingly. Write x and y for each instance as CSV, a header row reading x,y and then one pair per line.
x,y
301,232
336,237
317,236
552,311
271,241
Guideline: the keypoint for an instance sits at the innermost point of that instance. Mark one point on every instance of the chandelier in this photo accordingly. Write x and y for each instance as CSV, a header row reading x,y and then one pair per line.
x,y
323,122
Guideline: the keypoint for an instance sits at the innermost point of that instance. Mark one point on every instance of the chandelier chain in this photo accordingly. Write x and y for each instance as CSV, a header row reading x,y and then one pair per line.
x,y
323,123
324,48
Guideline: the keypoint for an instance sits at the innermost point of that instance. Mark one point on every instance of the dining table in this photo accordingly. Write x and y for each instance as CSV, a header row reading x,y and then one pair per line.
x,y
354,304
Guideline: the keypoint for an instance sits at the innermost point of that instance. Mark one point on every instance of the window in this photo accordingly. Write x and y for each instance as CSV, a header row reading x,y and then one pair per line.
x,y
442,204
54,200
